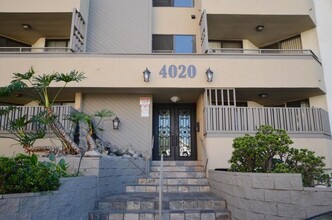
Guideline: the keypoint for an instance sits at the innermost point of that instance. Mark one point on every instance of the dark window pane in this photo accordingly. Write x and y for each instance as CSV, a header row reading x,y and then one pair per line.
x,y
162,3
5,42
162,43
173,3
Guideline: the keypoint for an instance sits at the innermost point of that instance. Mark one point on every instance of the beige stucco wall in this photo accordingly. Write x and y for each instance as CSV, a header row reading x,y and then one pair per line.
x,y
10,147
254,104
229,71
27,6
310,41
39,43
134,131
39,5
248,45
292,7
220,149
318,102
200,135
170,20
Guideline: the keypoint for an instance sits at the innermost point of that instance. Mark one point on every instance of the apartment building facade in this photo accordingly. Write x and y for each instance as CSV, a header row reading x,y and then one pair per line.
x,y
184,77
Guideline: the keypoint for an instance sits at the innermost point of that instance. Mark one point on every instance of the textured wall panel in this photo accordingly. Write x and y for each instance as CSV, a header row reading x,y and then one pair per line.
x,y
120,26
134,130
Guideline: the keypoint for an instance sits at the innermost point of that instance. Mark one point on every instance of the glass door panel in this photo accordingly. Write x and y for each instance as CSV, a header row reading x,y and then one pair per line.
x,y
164,130
174,132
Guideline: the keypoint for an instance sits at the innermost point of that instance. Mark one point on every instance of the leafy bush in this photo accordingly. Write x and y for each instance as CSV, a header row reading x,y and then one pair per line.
x,y
26,174
268,151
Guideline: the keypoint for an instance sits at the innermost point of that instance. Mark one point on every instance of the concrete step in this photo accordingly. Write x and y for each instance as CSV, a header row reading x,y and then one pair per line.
x,y
174,181
179,169
178,174
176,163
171,201
208,214
168,188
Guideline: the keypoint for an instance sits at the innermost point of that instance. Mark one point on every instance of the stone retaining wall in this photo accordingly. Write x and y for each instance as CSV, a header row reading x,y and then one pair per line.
x,y
113,174
255,196
73,201
77,195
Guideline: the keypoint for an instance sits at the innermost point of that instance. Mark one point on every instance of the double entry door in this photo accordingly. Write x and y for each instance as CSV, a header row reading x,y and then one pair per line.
x,y
174,131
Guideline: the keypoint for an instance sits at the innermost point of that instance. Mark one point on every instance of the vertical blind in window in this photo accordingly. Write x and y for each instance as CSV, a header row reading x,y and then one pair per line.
x,y
293,43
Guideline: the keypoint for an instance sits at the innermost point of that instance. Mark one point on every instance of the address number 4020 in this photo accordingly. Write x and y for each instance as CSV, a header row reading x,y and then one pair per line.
x,y
180,71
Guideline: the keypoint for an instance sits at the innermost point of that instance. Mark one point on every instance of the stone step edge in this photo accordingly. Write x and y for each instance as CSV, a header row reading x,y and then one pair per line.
x,y
111,211
176,165
180,178
168,178
152,184
156,199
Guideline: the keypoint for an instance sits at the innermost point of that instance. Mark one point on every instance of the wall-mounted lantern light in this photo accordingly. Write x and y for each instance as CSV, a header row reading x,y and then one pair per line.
x,y
209,75
146,75
116,123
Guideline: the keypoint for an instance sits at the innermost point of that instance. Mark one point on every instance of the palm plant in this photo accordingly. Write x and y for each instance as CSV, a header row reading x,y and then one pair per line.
x,y
41,85
92,125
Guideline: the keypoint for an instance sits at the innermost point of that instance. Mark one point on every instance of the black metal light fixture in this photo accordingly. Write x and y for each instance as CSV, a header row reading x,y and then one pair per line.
x,y
116,123
146,75
259,28
209,75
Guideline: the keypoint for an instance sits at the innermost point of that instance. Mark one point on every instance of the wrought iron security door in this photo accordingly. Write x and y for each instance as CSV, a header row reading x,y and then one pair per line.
x,y
174,131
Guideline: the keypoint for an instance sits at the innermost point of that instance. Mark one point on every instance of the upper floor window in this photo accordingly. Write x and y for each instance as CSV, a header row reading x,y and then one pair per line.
x,y
57,45
8,45
173,44
226,46
173,3
293,43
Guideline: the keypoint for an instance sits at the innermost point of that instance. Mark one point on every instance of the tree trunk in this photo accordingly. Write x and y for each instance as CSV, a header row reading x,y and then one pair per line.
x,y
69,145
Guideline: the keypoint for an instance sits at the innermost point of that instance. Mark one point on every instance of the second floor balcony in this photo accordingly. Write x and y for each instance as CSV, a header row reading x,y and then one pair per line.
x,y
41,24
260,21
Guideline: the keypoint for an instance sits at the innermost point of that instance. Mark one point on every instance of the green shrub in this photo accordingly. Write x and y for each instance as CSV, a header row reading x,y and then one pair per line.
x,y
26,174
268,151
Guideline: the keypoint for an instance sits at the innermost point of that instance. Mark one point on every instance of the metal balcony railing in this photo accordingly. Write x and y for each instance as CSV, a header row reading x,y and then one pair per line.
x,y
221,119
35,50
60,111
264,52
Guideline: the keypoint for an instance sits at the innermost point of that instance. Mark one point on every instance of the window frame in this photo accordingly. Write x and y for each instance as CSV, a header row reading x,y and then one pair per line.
x,y
173,49
172,4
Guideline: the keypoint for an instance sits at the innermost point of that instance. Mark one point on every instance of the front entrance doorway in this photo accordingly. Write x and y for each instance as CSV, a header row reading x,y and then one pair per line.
x,y
174,131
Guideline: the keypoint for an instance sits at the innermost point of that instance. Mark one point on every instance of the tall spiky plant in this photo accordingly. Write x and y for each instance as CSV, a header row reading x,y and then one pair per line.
x,y
41,85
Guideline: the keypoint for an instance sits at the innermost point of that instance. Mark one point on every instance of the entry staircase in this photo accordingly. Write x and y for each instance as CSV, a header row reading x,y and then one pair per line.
x,y
186,196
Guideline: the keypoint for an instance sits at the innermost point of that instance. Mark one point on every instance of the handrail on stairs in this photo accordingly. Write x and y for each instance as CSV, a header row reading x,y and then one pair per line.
x,y
161,184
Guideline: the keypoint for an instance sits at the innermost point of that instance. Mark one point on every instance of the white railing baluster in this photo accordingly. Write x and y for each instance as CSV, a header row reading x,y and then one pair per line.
x,y
223,119
60,111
